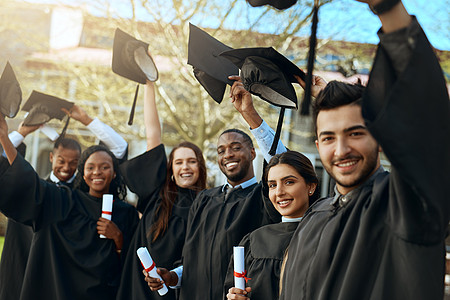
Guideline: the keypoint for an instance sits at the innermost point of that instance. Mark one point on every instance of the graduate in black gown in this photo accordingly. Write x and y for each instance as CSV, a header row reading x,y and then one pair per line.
x,y
166,190
68,259
64,159
219,218
292,188
382,235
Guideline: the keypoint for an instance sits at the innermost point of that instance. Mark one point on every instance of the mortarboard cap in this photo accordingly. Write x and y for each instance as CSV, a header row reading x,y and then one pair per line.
x,y
279,4
10,93
267,73
42,108
131,60
210,69
284,4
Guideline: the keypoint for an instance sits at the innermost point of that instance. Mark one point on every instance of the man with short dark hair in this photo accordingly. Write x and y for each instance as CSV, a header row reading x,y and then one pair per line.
x,y
382,235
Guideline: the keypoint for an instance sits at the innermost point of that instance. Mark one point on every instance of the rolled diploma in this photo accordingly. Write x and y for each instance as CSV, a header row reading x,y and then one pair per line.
x,y
239,267
107,206
147,263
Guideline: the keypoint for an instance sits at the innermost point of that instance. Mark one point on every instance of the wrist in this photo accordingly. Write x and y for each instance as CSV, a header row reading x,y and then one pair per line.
x,y
383,6
86,120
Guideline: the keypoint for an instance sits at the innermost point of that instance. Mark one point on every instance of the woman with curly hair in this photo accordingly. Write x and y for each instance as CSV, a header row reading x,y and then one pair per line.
x,y
166,190
68,259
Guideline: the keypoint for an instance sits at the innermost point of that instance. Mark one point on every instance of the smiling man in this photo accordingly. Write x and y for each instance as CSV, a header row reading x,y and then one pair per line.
x,y
218,220
382,235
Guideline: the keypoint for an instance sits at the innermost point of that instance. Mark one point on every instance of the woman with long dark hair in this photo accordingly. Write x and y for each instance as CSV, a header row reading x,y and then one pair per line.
x,y
68,259
166,189
291,186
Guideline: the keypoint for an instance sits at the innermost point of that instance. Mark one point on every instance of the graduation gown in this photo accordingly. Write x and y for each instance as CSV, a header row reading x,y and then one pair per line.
x,y
15,254
145,175
264,252
217,223
386,239
67,259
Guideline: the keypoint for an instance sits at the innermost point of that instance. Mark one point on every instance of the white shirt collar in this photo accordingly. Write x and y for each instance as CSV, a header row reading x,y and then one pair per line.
x,y
243,185
55,179
285,219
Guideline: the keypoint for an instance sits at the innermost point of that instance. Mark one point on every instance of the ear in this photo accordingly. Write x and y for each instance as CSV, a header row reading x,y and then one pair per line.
x,y
312,188
253,152
380,149
51,157
317,144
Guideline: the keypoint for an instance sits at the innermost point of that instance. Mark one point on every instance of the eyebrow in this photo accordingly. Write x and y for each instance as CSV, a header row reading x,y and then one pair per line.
x,y
285,177
356,127
232,144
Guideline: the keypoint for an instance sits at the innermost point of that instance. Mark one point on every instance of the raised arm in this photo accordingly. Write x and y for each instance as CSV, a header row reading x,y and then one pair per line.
x,y
243,102
103,132
151,119
393,19
8,147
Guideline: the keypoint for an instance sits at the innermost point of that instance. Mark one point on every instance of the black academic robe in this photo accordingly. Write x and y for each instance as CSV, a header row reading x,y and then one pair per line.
x,y
145,175
264,252
16,248
385,240
67,259
216,223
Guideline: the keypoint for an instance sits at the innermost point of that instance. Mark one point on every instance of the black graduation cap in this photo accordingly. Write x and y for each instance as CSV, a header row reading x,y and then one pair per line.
x,y
268,74
283,4
210,69
10,93
42,108
131,60
279,4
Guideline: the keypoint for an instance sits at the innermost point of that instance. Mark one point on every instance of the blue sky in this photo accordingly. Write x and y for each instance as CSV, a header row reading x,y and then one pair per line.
x,y
346,20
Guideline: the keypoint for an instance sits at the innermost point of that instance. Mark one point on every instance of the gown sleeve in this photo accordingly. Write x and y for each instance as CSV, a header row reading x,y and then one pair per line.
x,y
409,100
145,174
30,200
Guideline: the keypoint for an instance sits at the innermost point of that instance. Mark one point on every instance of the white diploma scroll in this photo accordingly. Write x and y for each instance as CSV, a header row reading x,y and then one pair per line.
x,y
107,206
149,266
239,267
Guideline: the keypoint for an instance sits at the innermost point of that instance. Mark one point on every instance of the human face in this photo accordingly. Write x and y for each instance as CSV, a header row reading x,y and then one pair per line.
x,y
288,191
98,173
348,151
235,157
185,167
64,162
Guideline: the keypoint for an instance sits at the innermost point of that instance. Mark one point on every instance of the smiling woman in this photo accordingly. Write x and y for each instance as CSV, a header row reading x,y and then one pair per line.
x,y
292,188
166,189
67,256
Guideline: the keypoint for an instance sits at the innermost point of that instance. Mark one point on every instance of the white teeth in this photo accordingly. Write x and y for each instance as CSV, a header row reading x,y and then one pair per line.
x,y
97,180
283,202
64,173
232,164
347,164
185,175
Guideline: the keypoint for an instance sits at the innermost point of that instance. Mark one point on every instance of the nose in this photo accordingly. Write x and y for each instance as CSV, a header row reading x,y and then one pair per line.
x,y
279,190
185,165
66,167
228,153
96,171
342,147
